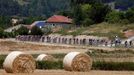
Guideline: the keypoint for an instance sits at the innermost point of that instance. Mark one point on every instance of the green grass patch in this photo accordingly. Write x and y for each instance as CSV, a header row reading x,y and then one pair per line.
x,y
118,66
49,65
97,65
114,54
102,29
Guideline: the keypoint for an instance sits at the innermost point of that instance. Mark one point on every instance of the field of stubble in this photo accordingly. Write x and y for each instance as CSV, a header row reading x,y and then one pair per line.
x,y
62,72
8,46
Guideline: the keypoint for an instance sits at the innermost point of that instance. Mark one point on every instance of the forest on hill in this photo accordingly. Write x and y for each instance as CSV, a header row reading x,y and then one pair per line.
x,y
32,7
47,8
84,13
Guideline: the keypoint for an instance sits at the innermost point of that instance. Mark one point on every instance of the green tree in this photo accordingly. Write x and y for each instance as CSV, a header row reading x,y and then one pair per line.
x,y
114,17
99,12
36,31
66,13
46,30
130,15
31,19
87,22
78,15
1,32
86,10
5,21
9,8
22,31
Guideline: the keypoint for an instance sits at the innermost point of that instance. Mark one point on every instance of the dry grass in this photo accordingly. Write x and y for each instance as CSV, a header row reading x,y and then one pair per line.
x,y
101,29
11,46
62,72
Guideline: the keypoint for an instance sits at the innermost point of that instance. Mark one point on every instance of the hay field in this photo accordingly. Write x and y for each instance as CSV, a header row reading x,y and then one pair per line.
x,y
33,48
24,46
62,72
7,46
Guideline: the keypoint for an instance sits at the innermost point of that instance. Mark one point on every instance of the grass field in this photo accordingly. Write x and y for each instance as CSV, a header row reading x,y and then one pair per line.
x,y
62,72
59,52
102,29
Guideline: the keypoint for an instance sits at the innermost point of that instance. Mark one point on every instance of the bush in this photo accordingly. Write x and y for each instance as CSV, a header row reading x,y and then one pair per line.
x,y
114,17
36,31
88,22
62,31
1,32
130,15
58,56
22,31
113,66
49,65
1,61
46,30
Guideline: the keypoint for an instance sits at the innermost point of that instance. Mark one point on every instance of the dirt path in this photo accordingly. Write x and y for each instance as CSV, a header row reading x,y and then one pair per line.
x,y
62,72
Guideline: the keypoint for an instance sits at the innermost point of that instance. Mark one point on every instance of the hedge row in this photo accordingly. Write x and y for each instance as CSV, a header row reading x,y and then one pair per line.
x,y
118,66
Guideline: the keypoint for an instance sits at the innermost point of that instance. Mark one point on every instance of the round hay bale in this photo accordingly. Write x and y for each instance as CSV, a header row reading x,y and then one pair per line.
x,y
19,62
45,57
76,61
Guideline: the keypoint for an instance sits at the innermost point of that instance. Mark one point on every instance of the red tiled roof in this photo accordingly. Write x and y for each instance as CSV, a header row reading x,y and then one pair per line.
x,y
59,19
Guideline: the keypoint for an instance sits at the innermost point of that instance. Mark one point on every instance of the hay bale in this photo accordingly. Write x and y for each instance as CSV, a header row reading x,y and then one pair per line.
x,y
45,57
76,61
19,62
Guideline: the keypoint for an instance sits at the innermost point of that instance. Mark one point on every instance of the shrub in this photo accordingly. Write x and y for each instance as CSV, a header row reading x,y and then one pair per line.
x,y
22,31
1,61
46,30
1,32
88,22
36,31
113,65
114,17
49,65
62,31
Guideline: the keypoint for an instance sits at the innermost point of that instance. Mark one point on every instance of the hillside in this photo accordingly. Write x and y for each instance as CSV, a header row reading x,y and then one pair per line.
x,y
33,7
102,29
46,7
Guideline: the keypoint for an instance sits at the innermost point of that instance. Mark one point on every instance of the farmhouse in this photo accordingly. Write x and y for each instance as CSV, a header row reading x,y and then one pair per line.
x,y
58,21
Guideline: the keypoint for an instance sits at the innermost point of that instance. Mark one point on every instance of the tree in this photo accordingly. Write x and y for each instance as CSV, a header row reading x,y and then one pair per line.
x,y
1,32
22,31
5,21
36,31
99,12
78,15
46,30
66,13
9,8
114,17
130,15
87,22
31,19
75,2
86,10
